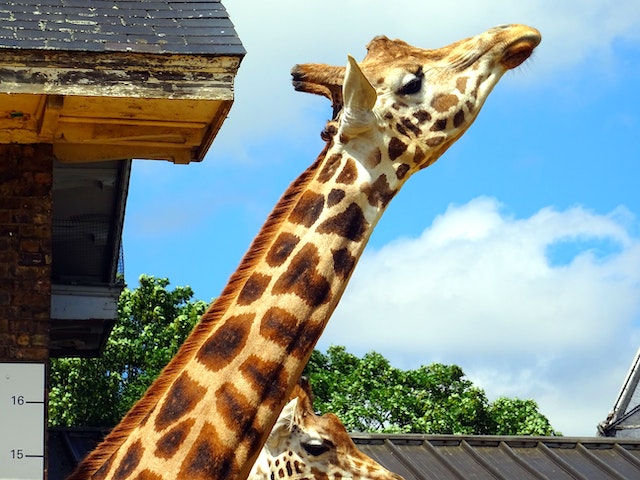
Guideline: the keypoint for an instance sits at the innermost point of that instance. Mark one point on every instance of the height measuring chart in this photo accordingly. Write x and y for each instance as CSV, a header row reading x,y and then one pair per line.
x,y
22,421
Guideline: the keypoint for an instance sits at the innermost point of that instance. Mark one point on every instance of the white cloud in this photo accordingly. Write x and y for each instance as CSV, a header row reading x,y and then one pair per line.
x,y
477,289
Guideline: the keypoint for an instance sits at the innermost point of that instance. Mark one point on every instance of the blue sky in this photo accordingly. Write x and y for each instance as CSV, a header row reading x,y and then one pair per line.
x,y
516,256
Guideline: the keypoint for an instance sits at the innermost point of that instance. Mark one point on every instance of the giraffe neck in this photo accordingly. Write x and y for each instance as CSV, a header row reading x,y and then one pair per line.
x,y
214,404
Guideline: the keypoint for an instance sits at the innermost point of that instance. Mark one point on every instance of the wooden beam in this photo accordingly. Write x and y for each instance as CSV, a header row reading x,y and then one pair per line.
x,y
197,77
96,152
50,117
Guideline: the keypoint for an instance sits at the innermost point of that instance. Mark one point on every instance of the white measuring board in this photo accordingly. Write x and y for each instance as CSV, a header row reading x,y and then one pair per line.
x,y
22,421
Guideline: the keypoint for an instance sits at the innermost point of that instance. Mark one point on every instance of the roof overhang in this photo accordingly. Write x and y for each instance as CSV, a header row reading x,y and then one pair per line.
x,y
95,106
89,202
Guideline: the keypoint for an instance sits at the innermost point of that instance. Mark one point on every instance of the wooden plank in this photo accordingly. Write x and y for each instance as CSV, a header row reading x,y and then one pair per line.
x,y
114,134
69,152
49,121
126,108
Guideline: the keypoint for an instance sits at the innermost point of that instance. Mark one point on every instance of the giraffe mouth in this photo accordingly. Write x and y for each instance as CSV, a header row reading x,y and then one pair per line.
x,y
518,51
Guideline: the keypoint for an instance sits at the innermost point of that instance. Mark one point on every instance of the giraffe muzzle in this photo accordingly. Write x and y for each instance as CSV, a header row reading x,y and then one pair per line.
x,y
520,49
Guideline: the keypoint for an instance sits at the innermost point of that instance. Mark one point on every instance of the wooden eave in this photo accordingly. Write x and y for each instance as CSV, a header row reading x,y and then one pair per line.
x,y
95,106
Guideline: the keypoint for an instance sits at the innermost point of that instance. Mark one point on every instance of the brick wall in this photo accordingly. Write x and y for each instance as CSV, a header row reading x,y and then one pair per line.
x,y
26,173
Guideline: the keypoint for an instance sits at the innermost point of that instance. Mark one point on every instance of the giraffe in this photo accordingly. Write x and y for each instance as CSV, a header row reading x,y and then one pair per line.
x,y
210,411
305,445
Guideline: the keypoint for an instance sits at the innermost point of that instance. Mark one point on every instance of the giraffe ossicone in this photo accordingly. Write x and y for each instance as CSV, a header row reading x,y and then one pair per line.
x,y
210,411
303,445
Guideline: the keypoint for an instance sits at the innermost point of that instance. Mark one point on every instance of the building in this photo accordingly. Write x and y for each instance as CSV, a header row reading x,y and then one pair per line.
x,y
624,419
85,87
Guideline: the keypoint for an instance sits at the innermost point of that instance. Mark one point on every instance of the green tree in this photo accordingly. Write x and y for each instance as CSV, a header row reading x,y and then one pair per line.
x,y
513,416
368,394
152,324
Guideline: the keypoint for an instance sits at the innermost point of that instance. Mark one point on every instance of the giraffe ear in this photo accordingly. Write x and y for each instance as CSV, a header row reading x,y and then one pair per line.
x,y
283,426
359,97
357,92
285,420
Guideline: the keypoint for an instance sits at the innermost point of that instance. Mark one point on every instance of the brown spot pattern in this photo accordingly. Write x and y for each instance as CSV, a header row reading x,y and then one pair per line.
x,y
461,84
279,326
458,118
170,442
147,474
182,397
435,141
418,155
204,461
130,461
226,343
308,209
402,170
282,248
237,413
343,263
349,224
444,102
379,193
285,330
422,116
374,157
349,173
253,289
318,474
267,379
329,168
410,126
302,279
335,196
396,148
439,125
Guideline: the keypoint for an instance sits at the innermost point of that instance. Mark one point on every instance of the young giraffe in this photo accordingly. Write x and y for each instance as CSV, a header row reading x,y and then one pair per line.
x,y
305,445
210,411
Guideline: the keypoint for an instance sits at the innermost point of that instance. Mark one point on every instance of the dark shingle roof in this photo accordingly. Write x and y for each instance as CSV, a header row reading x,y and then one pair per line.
x,y
443,457
451,457
145,26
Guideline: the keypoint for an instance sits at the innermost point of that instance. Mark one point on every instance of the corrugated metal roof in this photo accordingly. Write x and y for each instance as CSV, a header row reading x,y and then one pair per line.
x,y
145,26
443,457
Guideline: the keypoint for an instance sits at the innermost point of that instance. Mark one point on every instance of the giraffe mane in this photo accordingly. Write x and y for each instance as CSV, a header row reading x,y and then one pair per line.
x,y
260,245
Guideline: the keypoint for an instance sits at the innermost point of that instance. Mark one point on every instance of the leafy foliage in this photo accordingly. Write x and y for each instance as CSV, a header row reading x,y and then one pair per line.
x,y
368,395
152,324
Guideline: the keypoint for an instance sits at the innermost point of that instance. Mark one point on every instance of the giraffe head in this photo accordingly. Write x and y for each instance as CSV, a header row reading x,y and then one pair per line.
x,y
305,445
411,102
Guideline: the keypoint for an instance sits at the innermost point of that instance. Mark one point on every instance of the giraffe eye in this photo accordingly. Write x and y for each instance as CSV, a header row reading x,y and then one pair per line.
x,y
414,85
317,447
